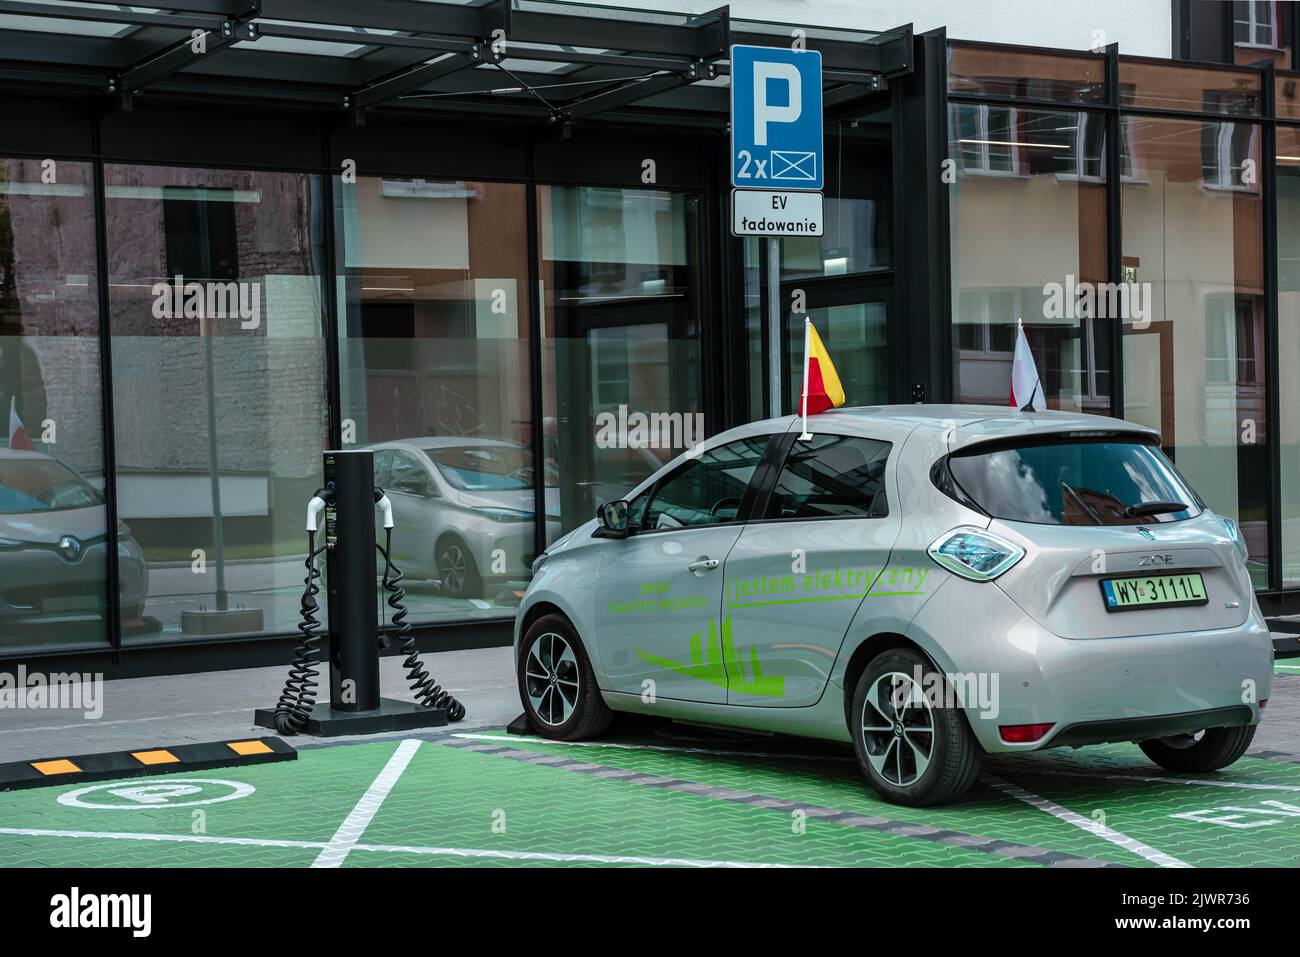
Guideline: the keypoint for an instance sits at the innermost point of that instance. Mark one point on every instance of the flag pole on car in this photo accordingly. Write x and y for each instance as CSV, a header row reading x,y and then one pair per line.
x,y
1026,389
821,383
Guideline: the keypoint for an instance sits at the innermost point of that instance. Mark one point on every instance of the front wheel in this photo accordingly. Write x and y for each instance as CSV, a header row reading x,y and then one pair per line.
x,y
457,570
1207,750
913,744
556,683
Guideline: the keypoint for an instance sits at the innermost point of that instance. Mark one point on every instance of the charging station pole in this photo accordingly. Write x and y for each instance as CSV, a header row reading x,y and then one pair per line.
x,y
348,501
350,578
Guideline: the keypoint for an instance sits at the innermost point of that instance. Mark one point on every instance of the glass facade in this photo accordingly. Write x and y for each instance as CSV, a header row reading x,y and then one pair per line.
x,y
520,342
1168,260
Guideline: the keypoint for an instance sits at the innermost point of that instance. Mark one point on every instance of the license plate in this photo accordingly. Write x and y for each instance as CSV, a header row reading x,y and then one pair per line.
x,y
1152,591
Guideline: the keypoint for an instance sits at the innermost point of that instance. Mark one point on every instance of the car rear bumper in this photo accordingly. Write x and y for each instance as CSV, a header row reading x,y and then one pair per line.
x,y
1091,690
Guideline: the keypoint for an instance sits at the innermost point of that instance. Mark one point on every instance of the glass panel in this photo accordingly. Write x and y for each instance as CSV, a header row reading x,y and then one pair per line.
x,y
218,391
1029,243
1194,361
620,347
858,236
831,476
989,71
1288,317
857,241
1177,86
435,367
53,548
1287,99
707,491
856,336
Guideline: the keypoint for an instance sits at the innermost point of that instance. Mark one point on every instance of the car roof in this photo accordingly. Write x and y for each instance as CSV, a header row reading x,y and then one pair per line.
x,y
965,424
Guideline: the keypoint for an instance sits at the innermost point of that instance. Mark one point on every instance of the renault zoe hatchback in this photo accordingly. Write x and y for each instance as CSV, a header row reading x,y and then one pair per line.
x,y
929,583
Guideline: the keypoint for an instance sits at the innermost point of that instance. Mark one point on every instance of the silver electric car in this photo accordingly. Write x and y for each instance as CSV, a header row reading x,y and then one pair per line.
x,y
929,583
460,502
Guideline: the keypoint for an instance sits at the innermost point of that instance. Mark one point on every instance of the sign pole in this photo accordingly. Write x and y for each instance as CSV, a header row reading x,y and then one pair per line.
x,y
774,326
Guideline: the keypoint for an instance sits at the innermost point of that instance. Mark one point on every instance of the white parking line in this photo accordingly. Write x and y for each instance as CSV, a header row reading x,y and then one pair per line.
x,y
1087,824
350,831
526,739
468,852
1201,782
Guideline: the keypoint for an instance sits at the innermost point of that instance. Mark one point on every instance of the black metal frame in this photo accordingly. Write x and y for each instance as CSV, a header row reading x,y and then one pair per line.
x,y
1279,599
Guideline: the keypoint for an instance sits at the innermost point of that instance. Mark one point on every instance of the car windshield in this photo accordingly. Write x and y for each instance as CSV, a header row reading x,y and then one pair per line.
x,y
1064,482
487,468
42,485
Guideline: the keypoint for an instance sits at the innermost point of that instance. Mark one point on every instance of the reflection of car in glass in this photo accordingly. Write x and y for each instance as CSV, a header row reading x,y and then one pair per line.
x,y
456,502
928,583
53,546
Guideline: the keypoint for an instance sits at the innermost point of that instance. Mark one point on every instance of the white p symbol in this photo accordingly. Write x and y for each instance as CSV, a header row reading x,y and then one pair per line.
x,y
765,112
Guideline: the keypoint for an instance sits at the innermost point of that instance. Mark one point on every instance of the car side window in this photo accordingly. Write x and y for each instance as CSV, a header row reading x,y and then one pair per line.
x,y
832,476
409,475
383,465
703,491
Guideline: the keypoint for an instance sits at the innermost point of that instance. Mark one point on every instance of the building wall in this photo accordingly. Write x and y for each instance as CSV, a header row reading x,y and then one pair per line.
x,y
1140,27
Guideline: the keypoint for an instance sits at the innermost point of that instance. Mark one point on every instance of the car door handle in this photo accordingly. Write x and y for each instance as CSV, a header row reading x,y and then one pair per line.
x,y
703,565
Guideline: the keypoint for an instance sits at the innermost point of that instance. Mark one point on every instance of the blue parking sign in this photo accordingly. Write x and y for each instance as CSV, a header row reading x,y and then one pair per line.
x,y
776,118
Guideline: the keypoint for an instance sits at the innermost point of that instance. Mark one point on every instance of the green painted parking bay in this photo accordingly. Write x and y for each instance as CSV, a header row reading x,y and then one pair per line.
x,y
637,799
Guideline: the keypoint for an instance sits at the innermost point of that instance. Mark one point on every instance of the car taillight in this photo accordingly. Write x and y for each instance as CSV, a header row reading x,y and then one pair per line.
x,y
1262,702
1024,733
974,553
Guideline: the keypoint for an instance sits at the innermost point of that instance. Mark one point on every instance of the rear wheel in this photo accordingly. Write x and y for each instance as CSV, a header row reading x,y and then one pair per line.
x,y
1207,750
556,683
914,750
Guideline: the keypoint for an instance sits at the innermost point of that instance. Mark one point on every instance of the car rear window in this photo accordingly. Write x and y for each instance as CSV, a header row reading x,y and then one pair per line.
x,y
1060,481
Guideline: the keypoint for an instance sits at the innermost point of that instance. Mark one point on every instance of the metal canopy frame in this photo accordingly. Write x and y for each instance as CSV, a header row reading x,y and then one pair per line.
x,y
553,61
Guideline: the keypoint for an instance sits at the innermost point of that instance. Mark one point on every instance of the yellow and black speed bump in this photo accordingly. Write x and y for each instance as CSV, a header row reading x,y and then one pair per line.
x,y
133,764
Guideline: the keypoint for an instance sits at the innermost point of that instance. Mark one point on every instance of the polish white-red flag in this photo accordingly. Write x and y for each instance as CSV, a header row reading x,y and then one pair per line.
x,y
1026,390
18,437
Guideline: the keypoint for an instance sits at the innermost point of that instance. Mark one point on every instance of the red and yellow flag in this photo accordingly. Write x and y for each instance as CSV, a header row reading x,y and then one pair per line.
x,y
822,389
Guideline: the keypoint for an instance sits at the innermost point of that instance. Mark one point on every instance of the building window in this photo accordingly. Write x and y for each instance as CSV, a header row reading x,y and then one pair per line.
x,y
1255,23
220,409
986,138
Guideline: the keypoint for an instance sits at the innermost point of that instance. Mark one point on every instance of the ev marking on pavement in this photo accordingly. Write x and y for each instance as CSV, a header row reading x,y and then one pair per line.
x,y
174,793
1272,812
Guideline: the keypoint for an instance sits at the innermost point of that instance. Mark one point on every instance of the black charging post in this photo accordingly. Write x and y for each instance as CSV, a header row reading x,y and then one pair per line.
x,y
355,705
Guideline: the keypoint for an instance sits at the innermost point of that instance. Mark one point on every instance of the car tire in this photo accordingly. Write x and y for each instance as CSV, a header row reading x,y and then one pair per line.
x,y
1216,748
918,776
557,685
457,569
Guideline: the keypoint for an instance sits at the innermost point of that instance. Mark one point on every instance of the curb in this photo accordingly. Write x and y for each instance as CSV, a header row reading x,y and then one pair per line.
x,y
47,772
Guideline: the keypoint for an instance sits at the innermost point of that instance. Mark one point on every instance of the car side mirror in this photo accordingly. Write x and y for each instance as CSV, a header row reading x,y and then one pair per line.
x,y
613,518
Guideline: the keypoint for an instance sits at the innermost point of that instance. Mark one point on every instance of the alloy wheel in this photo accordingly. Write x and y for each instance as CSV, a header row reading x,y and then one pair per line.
x,y
551,678
898,728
